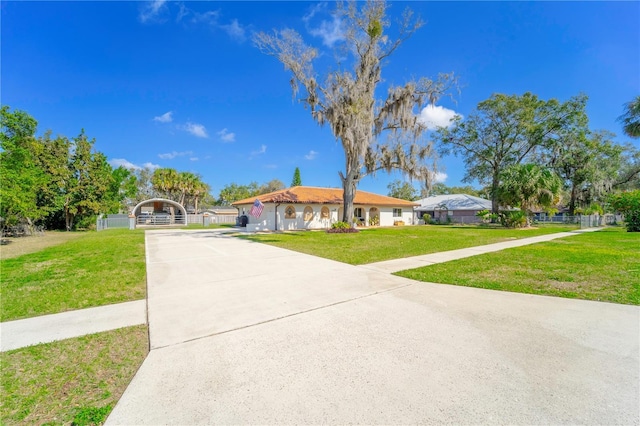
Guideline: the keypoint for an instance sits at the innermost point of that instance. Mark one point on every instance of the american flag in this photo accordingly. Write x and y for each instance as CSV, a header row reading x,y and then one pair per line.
x,y
256,209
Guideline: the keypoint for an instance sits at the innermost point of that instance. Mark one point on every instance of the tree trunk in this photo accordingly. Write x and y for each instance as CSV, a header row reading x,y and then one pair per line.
x,y
30,226
572,201
495,205
349,184
195,202
528,214
68,219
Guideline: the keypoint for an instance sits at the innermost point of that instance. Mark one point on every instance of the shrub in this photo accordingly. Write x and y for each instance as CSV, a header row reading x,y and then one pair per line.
x,y
594,209
486,216
340,225
398,223
374,221
343,231
341,228
513,219
427,218
628,203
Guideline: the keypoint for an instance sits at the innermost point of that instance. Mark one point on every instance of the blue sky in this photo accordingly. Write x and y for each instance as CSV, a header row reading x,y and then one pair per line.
x,y
180,84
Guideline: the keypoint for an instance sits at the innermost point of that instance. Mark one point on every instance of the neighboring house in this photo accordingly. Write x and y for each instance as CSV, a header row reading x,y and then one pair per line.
x,y
457,208
306,207
222,214
222,211
561,216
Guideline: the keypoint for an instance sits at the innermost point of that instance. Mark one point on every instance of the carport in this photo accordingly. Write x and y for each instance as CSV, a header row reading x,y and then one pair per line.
x,y
159,212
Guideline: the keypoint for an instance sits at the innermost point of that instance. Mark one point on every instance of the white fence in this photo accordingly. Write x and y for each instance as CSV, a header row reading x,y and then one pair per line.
x,y
214,219
557,219
160,219
112,221
590,221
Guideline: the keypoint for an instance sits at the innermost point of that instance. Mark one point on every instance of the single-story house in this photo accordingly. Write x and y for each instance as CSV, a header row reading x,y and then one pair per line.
x,y
458,208
222,211
222,214
306,207
561,216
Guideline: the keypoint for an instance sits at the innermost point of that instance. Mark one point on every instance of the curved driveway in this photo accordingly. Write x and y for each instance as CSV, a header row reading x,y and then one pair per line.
x,y
246,333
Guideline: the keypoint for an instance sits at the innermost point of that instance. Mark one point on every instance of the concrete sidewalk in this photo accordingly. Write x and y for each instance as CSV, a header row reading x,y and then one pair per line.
x,y
396,265
49,328
244,333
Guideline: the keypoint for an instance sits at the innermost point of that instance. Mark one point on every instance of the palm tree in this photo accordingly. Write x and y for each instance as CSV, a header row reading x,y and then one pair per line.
x,y
199,189
528,186
631,118
185,183
165,181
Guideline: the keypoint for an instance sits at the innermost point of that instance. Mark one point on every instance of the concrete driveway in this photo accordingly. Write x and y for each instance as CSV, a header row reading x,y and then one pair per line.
x,y
246,333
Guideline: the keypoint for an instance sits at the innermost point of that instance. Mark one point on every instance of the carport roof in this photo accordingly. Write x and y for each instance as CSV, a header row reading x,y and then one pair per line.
x,y
454,202
315,195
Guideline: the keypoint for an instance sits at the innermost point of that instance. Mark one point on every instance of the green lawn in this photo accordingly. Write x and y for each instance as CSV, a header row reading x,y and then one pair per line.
x,y
74,381
603,265
96,268
378,244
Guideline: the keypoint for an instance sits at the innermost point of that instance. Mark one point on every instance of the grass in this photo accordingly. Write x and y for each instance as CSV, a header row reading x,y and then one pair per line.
x,y
378,244
13,247
603,265
48,384
92,269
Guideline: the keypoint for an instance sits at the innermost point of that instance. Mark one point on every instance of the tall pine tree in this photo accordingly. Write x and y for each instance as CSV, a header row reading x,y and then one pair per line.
x,y
297,181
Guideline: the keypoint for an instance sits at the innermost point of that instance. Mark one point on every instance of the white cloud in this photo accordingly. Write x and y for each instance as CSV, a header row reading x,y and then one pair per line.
x,y
329,31
311,155
193,158
436,116
152,11
117,162
196,129
157,11
174,154
270,166
262,150
151,166
164,118
234,30
439,177
225,136
182,12
210,17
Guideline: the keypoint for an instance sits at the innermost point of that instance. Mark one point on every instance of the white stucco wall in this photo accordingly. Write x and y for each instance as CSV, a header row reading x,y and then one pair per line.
x,y
387,218
267,220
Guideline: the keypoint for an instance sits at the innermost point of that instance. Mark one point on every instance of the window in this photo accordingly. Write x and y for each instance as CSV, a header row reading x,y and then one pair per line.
x,y
290,212
308,214
357,212
324,213
397,212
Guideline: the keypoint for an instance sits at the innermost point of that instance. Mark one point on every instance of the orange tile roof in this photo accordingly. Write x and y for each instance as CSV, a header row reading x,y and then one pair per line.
x,y
313,195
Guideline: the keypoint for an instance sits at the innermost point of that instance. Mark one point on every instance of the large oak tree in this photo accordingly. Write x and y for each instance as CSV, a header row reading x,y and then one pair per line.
x,y
507,130
345,98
